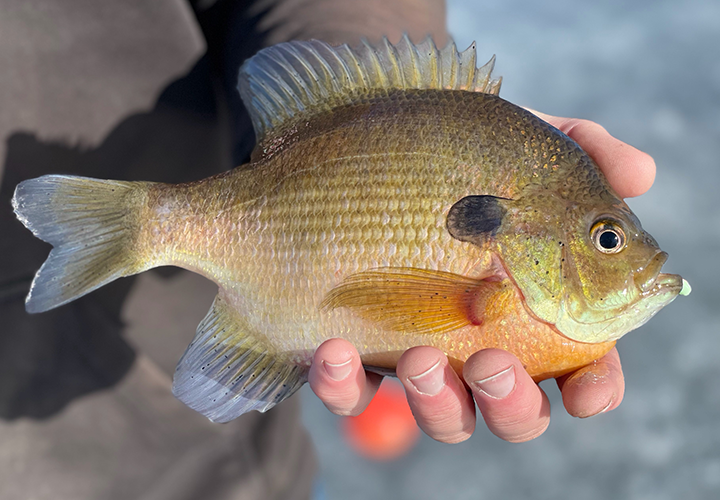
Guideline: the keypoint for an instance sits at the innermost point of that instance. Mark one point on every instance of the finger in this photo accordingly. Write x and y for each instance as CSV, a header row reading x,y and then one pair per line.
x,y
438,399
596,388
337,377
514,407
629,171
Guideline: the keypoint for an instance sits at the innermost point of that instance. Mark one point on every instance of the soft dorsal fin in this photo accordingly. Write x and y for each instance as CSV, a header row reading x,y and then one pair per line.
x,y
302,78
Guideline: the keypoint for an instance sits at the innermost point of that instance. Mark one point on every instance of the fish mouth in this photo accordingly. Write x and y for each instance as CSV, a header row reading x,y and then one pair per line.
x,y
651,281
647,277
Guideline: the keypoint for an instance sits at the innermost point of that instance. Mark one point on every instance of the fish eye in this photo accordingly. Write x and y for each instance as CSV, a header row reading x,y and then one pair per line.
x,y
607,236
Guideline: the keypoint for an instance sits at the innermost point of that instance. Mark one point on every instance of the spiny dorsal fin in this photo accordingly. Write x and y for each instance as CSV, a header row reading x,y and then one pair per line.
x,y
302,78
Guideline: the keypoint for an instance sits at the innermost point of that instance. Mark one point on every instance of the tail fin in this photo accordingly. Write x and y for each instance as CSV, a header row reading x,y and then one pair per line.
x,y
92,225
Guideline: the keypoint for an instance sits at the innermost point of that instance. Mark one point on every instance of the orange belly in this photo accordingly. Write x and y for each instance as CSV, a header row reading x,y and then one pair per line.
x,y
507,325
544,352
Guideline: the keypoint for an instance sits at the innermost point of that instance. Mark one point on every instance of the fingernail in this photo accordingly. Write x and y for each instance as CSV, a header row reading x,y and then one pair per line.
x,y
610,403
498,386
338,371
607,407
431,381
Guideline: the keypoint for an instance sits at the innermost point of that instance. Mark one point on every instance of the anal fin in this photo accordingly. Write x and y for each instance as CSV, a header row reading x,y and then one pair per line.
x,y
227,370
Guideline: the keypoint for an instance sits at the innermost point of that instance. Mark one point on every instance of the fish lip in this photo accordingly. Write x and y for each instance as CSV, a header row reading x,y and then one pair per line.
x,y
666,282
647,277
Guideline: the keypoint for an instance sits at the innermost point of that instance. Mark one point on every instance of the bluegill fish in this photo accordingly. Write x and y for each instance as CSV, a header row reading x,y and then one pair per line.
x,y
394,200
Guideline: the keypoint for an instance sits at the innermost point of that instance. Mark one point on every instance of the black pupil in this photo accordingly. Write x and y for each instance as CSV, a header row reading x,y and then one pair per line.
x,y
609,240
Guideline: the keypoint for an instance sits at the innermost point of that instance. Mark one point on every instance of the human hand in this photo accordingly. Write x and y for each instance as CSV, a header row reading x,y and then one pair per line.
x,y
512,404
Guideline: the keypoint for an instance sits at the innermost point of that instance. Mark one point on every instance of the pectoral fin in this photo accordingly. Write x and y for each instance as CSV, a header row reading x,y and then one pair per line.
x,y
413,300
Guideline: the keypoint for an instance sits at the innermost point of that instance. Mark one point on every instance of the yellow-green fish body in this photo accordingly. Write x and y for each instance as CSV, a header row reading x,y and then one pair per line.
x,y
393,200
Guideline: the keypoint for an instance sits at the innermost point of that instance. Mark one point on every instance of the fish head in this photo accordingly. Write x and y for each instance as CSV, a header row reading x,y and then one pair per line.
x,y
612,279
589,269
